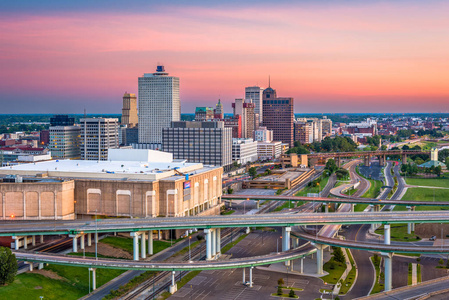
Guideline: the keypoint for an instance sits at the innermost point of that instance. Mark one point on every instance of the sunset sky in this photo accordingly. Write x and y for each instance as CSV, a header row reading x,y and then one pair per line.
x,y
331,56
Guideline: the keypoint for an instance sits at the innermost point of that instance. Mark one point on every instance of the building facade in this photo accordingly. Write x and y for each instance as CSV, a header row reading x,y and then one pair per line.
x,y
262,134
65,142
269,151
159,104
255,93
129,110
244,151
204,114
207,142
278,116
246,109
98,135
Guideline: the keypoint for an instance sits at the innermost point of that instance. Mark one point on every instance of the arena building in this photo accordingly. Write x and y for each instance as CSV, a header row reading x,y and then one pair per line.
x,y
132,183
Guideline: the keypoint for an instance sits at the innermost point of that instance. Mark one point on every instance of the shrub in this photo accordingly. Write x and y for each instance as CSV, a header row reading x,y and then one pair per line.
x,y
292,294
280,281
8,265
279,290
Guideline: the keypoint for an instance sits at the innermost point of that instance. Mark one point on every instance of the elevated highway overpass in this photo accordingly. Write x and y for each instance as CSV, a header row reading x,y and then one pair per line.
x,y
350,200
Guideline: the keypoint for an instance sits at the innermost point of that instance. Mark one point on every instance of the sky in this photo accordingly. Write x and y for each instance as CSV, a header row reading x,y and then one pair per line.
x,y
330,56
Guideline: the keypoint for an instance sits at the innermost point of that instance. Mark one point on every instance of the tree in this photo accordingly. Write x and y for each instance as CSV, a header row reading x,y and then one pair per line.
x,y
280,281
341,173
438,171
292,294
279,290
8,266
252,171
338,255
441,262
331,166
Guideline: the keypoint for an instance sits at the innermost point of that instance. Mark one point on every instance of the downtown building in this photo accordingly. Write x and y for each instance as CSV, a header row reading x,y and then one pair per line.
x,y
129,131
98,135
278,116
209,143
159,105
64,141
255,94
244,151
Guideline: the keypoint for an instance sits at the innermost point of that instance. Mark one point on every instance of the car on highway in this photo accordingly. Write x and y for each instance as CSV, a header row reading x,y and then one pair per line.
x,y
433,238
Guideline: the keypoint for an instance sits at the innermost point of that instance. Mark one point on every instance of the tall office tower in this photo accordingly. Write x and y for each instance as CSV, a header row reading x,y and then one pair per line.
x,y
326,126
129,110
218,111
97,136
262,134
159,105
64,138
245,108
255,93
209,143
278,116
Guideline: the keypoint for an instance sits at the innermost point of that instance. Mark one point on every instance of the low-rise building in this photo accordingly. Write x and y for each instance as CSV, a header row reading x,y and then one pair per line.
x,y
244,151
268,151
132,183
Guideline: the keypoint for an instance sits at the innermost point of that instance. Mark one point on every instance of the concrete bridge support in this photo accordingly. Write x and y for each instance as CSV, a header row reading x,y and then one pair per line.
x,y
387,234
33,240
213,243
409,225
143,251
89,239
135,236
94,278
319,258
338,161
75,243
286,241
82,241
404,158
367,160
173,287
208,232
388,263
42,238
244,276
217,242
326,207
251,277
30,264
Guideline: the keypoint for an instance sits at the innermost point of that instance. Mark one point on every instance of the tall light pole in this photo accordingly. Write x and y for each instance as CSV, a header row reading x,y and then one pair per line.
x,y
96,235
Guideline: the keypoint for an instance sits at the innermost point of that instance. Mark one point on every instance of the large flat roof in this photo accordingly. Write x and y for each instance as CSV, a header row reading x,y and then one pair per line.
x,y
118,170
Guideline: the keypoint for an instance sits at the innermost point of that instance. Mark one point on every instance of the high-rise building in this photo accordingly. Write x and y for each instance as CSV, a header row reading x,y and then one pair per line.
x,y
255,93
65,142
303,132
278,116
207,142
129,110
245,108
62,120
159,104
326,126
97,136
218,111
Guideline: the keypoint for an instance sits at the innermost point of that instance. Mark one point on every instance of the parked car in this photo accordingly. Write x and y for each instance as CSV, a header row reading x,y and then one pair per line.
x,y
433,238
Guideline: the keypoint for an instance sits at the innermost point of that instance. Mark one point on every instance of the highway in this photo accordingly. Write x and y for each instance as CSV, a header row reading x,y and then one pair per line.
x,y
21,228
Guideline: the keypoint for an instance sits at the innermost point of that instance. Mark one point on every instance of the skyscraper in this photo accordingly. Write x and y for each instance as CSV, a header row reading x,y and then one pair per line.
x,y
278,116
129,110
159,104
245,109
255,93
97,136
64,138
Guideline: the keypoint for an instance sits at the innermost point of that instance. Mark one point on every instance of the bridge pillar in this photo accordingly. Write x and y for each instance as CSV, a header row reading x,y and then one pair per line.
x,y
413,224
135,236
302,265
89,239
387,234
286,241
173,286
82,241
33,240
150,242
208,233
257,204
96,237
251,277
30,264
319,258
75,244
42,238
404,158
388,263
218,241
326,208
94,278
248,230
214,242
338,162
244,277
25,242
143,252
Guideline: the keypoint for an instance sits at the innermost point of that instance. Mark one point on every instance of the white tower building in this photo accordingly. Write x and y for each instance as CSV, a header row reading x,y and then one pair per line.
x,y
159,105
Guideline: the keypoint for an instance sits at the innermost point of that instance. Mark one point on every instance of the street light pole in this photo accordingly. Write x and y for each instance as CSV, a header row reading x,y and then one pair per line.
x,y
96,236
190,257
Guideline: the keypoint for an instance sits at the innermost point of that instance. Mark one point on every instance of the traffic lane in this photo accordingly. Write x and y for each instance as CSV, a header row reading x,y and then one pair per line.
x,y
365,270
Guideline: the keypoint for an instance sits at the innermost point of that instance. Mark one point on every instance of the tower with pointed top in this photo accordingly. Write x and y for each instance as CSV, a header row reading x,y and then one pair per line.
x,y
255,94
218,111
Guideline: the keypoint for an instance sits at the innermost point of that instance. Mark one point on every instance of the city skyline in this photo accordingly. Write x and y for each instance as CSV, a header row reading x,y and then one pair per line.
x,y
344,57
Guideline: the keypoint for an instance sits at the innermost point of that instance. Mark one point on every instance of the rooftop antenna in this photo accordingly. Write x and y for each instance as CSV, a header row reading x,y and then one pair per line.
x,y
269,81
